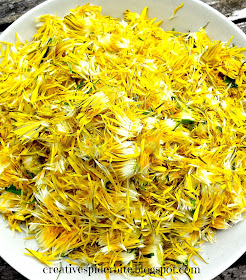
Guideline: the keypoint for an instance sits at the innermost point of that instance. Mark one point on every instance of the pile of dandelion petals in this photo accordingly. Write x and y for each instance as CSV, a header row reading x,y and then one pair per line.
x,y
121,143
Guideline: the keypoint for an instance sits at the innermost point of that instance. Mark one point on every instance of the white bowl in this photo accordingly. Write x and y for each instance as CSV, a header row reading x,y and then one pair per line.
x,y
231,243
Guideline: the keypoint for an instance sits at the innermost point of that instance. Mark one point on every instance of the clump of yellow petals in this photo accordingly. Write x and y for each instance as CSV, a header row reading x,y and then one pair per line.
x,y
121,143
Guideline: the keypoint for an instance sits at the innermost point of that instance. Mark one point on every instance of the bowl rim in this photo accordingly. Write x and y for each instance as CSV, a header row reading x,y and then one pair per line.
x,y
11,28
48,2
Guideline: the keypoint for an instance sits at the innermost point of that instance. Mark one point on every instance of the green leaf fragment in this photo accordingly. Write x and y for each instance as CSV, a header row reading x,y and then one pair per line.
x,y
193,202
60,270
90,90
12,189
167,177
230,82
146,113
176,261
50,40
70,67
149,255
131,250
81,85
184,121
30,174
31,201
219,128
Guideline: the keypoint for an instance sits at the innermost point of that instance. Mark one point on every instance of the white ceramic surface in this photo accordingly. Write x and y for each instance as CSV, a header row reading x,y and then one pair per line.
x,y
231,243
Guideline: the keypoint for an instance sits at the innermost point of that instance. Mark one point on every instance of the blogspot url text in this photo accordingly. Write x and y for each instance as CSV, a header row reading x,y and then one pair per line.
x,y
136,270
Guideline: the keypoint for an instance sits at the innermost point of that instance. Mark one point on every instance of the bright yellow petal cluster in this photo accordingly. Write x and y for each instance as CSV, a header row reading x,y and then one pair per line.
x,y
121,143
